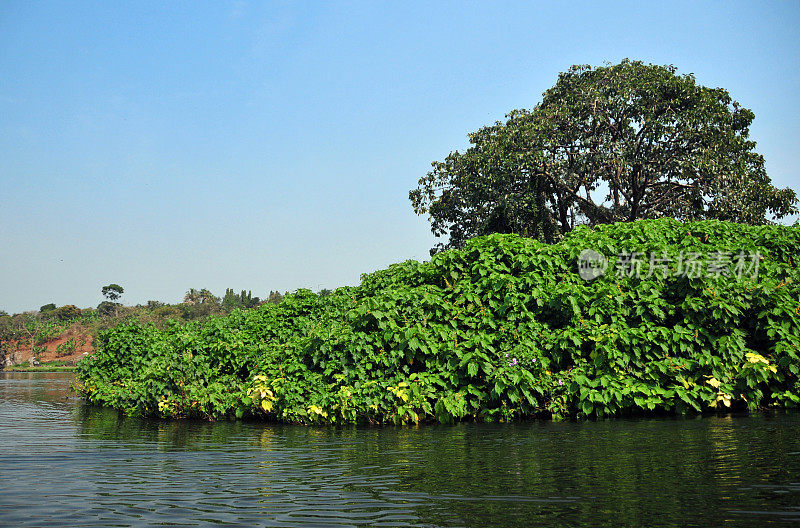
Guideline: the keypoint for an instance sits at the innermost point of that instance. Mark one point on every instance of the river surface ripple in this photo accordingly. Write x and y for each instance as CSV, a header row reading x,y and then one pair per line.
x,y
63,463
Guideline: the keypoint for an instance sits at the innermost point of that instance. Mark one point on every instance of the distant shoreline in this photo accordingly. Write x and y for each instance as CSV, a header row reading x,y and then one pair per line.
x,y
54,366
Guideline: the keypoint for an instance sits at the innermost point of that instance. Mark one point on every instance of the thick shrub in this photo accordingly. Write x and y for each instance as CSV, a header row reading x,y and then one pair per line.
x,y
504,329
67,312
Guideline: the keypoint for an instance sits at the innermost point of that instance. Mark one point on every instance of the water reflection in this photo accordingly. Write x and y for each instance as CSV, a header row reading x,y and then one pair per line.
x,y
66,463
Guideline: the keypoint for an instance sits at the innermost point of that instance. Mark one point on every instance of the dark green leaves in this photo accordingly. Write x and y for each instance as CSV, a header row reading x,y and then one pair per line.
x,y
614,143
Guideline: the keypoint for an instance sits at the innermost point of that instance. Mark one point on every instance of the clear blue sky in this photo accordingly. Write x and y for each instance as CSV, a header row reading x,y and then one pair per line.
x,y
170,145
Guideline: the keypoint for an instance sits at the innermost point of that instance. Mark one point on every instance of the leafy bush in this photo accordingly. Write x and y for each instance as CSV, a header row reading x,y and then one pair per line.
x,y
503,329
107,308
67,348
45,331
67,312
168,312
243,300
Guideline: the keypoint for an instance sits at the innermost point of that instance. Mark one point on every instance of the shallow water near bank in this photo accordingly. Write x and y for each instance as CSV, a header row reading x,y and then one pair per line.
x,y
65,463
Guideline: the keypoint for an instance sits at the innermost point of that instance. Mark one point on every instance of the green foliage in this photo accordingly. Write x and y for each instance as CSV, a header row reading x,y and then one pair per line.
x,y
503,329
67,312
168,312
201,296
6,327
199,304
616,143
31,331
108,308
112,292
38,351
274,297
47,330
67,348
241,301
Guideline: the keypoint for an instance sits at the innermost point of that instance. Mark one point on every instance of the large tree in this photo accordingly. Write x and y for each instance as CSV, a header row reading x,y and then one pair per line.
x,y
608,144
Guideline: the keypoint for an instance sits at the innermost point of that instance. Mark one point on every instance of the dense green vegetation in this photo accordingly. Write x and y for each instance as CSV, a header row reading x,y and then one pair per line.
x,y
502,329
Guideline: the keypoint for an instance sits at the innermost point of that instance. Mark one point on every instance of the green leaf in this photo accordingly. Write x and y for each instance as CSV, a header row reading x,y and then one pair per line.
x,y
472,369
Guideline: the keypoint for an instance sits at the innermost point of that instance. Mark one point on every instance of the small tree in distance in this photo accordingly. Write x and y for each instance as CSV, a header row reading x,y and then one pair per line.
x,y
244,300
275,297
112,292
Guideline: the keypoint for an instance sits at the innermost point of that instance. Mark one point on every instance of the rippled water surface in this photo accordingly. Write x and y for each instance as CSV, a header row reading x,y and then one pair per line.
x,y
65,464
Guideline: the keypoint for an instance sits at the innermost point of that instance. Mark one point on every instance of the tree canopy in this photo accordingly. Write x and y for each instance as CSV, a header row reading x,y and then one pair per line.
x,y
112,292
608,144
200,296
232,300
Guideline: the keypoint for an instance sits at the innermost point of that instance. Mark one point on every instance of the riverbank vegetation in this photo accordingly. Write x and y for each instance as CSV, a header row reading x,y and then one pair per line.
x,y
505,328
51,366
67,333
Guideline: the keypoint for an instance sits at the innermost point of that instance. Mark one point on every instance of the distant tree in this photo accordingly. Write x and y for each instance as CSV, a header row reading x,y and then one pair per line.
x,y
67,312
201,296
168,312
112,292
248,301
24,328
324,292
199,303
107,308
609,144
6,331
110,306
274,297
192,296
47,308
231,301
152,305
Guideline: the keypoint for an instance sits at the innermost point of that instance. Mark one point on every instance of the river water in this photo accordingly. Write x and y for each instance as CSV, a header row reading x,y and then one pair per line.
x,y
63,463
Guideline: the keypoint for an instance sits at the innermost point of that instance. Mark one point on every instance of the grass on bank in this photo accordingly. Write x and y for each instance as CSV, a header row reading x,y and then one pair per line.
x,y
51,366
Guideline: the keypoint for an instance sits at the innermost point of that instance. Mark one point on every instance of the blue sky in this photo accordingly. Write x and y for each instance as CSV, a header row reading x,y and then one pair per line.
x,y
263,146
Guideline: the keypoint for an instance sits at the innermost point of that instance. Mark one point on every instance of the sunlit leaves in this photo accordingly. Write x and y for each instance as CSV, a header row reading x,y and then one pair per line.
x,y
613,143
